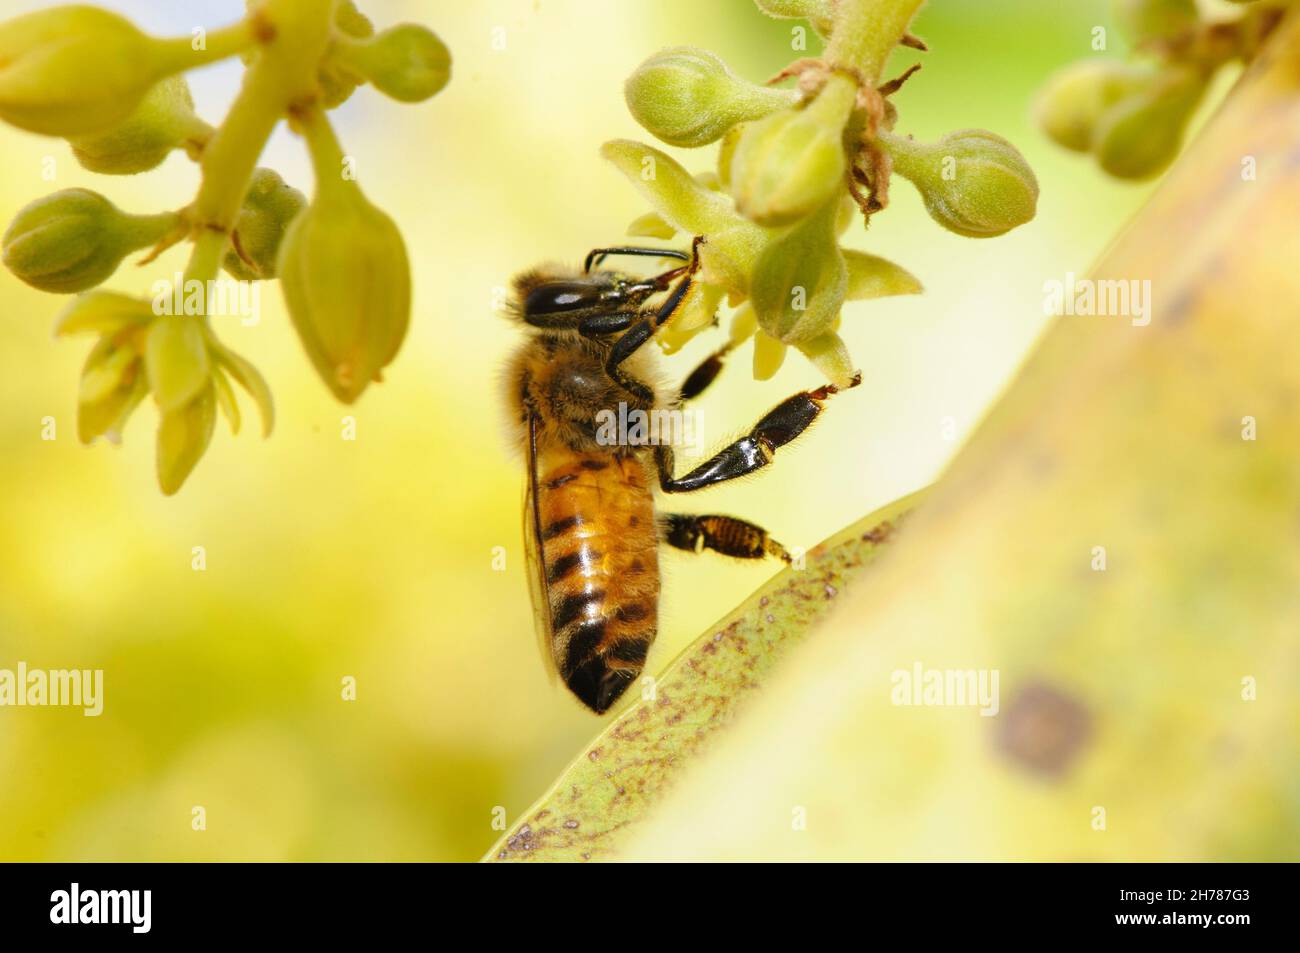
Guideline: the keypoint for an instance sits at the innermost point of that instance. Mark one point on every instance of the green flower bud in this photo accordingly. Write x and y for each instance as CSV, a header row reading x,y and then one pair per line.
x,y
270,205
788,164
800,279
820,13
176,357
1141,135
973,182
349,19
407,62
1144,21
75,70
164,120
1074,100
112,386
338,83
347,284
183,437
688,97
73,240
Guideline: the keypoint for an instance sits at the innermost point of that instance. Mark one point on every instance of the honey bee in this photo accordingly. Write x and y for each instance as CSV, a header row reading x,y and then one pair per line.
x,y
591,528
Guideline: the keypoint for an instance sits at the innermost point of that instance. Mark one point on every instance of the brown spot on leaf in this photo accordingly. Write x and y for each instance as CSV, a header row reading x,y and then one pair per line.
x,y
1044,729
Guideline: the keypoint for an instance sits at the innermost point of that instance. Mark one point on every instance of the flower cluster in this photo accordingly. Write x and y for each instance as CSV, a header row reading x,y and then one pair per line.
x,y
1131,116
794,168
119,97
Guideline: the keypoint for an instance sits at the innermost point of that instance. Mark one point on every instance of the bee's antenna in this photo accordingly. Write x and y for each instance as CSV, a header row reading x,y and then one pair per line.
x,y
598,255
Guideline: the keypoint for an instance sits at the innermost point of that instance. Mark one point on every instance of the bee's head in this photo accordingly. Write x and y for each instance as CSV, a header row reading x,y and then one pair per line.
x,y
558,298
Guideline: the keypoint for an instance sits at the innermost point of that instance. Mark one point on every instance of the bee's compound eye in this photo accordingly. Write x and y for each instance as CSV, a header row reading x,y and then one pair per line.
x,y
560,296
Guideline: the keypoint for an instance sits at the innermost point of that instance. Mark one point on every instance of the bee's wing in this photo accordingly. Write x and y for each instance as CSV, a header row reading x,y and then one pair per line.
x,y
537,557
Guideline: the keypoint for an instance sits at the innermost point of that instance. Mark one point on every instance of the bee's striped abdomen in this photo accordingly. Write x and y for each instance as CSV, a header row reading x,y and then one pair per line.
x,y
597,526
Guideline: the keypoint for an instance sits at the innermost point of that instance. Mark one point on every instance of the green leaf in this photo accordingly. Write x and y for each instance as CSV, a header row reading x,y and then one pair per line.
x,y
599,801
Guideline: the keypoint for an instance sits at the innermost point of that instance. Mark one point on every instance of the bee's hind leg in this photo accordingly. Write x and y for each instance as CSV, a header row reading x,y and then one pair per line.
x,y
722,534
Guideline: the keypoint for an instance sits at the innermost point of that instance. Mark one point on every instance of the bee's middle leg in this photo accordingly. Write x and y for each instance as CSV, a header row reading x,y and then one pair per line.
x,y
698,381
722,534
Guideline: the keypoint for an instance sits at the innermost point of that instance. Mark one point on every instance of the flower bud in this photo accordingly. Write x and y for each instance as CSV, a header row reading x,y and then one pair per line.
x,y
788,164
973,182
270,205
800,279
75,70
820,13
164,120
112,386
688,97
1074,100
1144,21
347,284
337,83
1140,135
183,437
407,62
73,240
176,357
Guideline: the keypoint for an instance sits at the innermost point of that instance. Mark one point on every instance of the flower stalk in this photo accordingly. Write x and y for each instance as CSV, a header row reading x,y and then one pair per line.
x,y
117,95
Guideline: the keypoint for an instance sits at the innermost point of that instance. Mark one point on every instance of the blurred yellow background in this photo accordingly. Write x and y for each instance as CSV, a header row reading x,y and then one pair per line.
x,y
372,558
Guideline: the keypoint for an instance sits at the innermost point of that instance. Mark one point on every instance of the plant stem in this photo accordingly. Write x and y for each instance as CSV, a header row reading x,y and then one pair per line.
x,y
295,34
866,32
144,230
326,153
217,45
